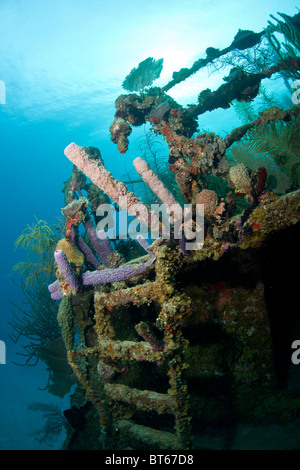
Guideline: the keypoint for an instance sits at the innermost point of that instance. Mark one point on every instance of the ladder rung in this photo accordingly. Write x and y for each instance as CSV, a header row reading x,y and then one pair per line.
x,y
146,400
150,436
138,295
124,350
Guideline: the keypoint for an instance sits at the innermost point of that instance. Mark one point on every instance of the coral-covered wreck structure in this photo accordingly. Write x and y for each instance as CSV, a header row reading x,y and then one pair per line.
x,y
170,341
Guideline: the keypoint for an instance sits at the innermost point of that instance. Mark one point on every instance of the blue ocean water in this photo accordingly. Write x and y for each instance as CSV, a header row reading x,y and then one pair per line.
x,y
63,63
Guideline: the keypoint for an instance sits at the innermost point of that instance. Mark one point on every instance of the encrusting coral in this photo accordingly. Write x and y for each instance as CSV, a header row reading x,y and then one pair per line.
x,y
120,130
65,319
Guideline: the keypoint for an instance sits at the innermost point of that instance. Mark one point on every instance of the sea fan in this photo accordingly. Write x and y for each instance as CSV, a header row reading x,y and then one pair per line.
x,y
61,376
291,46
290,32
245,111
280,141
248,112
39,241
36,320
54,422
144,75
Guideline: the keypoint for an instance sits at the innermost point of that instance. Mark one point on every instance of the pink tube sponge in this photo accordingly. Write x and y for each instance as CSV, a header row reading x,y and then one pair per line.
x,y
158,188
154,183
102,178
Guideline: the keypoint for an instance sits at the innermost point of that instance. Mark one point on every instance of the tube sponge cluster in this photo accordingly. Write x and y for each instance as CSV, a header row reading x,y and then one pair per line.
x,y
101,276
118,192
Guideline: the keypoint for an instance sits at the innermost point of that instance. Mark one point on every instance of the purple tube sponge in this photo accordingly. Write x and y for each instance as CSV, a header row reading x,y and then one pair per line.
x,y
114,275
57,295
118,274
89,255
105,242
56,292
182,242
98,247
54,286
143,242
65,268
